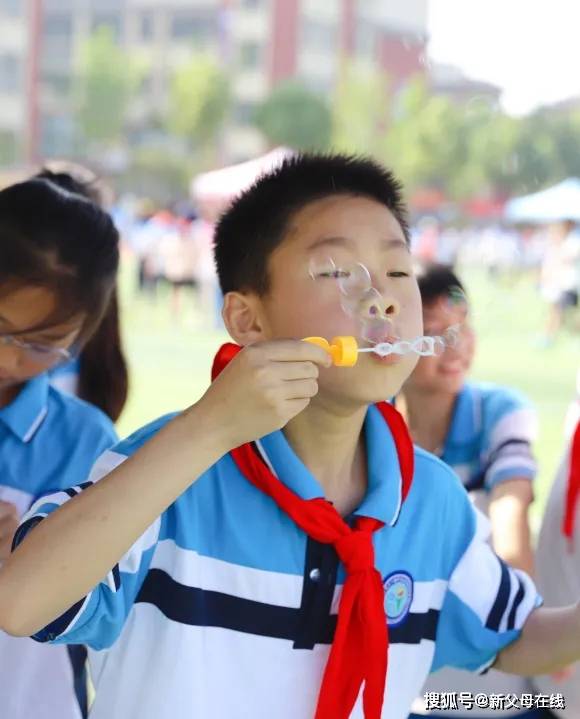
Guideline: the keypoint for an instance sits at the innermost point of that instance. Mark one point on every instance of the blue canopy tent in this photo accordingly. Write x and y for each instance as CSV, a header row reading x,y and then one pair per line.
x,y
561,202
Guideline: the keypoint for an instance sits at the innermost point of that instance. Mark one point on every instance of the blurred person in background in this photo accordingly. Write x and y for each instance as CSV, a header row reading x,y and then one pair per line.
x,y
485,434
202,233
558,553
426,239
560,276
178,261
448,246
150,226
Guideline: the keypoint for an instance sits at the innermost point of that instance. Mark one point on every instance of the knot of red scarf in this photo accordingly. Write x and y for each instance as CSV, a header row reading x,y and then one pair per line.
x,y
359,651
573,489
355,550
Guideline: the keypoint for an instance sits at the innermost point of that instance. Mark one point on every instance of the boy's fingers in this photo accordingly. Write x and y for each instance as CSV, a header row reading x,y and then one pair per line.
x,y
300,389
297,351
295,370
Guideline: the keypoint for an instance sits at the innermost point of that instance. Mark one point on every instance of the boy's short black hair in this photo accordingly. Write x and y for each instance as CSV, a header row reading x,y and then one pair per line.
x,y
436,281
256,223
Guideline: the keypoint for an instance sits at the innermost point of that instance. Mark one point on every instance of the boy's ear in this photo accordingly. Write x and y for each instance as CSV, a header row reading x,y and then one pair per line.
x,y
242,318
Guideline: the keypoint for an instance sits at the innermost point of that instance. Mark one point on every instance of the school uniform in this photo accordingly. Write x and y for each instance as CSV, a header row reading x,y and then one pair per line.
x,y
224,607
65,377
489,441
47,441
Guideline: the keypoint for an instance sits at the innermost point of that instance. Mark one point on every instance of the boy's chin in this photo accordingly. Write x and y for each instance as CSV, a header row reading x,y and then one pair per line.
x,y
366,393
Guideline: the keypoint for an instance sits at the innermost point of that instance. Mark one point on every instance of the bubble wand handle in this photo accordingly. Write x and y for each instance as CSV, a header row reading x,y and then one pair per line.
x,y
343,350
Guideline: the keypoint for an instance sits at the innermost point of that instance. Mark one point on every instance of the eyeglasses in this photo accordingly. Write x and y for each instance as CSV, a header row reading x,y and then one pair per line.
x,y
36,352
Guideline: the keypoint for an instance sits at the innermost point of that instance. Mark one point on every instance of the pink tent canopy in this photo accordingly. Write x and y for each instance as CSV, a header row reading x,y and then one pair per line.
x,y
222,186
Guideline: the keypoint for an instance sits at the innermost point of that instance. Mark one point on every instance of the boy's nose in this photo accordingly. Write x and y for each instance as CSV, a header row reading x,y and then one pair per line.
x,y
376,305
391,307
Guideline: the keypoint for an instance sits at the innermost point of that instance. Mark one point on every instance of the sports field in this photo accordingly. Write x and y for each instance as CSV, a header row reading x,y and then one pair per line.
x,y
170,361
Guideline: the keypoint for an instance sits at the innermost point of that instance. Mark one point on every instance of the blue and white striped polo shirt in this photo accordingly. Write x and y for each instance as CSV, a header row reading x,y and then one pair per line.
x,y
489,442
490,437
47,440
225,608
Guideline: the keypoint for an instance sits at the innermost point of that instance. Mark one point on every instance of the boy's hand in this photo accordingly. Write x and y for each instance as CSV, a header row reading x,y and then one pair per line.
x,y
8,525
263,388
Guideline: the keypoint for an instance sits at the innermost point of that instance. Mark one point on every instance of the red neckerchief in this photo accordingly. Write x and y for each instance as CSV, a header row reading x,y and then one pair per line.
x,y
573,491
360,648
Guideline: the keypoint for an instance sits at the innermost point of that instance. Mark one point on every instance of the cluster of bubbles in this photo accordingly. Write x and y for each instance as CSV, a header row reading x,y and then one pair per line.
x,y
360,300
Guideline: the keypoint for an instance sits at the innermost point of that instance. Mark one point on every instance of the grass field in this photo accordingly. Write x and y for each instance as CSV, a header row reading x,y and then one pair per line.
x,y
170,362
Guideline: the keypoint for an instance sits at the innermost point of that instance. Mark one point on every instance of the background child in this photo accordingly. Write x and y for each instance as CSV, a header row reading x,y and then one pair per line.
x,y
485,433
58,263
558,558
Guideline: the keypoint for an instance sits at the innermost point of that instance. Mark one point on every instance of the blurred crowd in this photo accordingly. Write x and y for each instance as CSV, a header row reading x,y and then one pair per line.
x,y
172,246
550,253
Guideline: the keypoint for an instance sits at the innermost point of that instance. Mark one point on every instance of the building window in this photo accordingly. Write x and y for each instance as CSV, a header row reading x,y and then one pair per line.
x,y
199,27
365,39
146,27
57,83
318,36
250,53
110,21
58,25
11,7
10,73
56,135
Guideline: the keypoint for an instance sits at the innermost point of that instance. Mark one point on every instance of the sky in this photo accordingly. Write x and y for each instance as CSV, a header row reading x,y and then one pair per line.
x,y
530,48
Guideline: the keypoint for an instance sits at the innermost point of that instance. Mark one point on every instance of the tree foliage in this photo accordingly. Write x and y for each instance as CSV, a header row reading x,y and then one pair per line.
x,y
294,116
360,110
105,83
199,100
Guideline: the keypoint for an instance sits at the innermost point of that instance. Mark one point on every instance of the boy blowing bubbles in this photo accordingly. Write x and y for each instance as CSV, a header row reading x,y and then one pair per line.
x,y
221,566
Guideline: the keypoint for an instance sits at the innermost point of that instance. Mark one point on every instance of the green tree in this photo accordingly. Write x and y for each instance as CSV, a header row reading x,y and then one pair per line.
x,y
425,143
106,81
491,162
199,100
360,110
296,117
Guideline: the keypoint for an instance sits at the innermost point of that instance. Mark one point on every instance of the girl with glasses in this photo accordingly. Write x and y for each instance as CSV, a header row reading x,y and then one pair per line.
x,y
58,263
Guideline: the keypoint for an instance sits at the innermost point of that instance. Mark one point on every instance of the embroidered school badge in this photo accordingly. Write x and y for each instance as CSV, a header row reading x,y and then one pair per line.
x,y
398,597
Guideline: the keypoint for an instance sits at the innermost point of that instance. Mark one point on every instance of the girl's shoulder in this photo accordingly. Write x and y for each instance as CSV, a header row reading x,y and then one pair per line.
x,y
69,413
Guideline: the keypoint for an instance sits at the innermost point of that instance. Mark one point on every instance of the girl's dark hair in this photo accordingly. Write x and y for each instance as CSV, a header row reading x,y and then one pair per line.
x,y
436,281
54,238
103,374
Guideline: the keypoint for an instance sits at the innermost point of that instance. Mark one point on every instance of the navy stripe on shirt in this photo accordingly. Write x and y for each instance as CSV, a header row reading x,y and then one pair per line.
x,y
58,627
517,601
204,608
501,601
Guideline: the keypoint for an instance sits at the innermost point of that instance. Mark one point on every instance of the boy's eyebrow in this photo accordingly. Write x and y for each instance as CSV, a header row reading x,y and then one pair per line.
x,y
339,241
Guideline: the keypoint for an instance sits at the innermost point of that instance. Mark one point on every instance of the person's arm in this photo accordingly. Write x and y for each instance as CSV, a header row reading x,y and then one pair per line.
x,y
69,552
550,641
8,525
510,530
